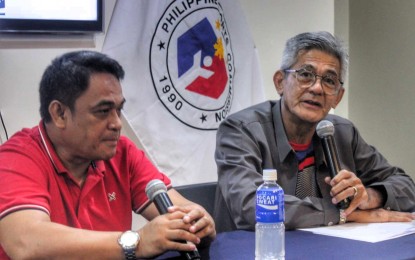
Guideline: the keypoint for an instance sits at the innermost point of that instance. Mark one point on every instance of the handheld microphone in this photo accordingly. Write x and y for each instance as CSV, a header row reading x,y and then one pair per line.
x,y
325,130
156,191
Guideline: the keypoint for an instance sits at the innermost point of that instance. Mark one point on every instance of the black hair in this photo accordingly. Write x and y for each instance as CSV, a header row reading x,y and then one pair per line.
x,y
67,77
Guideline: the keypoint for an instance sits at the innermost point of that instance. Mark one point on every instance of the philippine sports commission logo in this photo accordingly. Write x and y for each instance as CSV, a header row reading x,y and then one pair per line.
x,y
192,64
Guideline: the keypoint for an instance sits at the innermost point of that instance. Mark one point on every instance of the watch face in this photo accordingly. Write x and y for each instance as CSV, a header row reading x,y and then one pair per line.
x,y
129,238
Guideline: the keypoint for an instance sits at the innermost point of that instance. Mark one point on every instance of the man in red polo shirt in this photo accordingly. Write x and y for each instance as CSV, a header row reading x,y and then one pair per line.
x,y
68,185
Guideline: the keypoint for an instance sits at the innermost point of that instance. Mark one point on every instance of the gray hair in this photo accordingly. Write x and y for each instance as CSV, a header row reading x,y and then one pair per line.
x,y
323,41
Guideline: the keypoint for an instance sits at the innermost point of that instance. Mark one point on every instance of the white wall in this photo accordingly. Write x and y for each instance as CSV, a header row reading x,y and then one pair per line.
x,y
382,76
272,22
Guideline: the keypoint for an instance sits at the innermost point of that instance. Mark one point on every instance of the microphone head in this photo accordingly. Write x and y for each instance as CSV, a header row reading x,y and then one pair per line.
x,y
325,128
155,187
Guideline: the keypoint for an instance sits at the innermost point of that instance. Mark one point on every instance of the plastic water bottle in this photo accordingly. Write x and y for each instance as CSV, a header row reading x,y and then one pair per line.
x,y
269,228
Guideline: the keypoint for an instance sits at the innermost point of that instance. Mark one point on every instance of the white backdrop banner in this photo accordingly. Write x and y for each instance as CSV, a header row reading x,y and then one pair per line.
x,y
188,64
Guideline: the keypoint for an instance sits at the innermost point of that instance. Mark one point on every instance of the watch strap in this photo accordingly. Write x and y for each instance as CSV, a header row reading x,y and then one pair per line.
x,y
343,218
129,254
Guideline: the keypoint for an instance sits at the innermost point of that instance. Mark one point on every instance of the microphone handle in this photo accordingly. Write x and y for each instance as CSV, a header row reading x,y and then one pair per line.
x,y
163,202
333,161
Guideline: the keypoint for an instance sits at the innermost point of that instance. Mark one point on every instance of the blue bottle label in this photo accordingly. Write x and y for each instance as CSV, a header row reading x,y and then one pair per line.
x,y
270,205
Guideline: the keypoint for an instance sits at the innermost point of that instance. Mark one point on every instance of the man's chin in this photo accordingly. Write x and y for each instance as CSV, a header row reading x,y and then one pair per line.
x,y
313,119
108,155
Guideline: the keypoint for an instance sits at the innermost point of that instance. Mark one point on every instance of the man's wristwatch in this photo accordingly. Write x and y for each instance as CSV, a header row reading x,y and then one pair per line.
x,y
343,218
129,241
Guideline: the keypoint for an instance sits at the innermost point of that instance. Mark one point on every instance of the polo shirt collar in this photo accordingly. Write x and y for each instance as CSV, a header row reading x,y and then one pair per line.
x,y
53,156
99,165
50,150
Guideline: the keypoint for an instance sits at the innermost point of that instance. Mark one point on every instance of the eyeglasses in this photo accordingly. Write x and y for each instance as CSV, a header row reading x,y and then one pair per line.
x,y
329,83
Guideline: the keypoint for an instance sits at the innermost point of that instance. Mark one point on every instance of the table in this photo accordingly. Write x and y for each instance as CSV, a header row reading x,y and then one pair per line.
x,y
306,245
240,245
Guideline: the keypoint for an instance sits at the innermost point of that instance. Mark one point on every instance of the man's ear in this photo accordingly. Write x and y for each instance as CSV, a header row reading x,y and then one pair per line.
x,y
278,81
339,97
58,113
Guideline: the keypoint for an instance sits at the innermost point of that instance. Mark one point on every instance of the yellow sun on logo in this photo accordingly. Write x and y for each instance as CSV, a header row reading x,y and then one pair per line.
x,y
219,48
217,25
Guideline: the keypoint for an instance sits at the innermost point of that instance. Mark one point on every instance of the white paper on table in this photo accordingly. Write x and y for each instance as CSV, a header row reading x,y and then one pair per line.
x,y
369,232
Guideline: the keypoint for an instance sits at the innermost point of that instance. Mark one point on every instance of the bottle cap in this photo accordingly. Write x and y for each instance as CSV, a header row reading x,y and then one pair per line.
x,y
269,175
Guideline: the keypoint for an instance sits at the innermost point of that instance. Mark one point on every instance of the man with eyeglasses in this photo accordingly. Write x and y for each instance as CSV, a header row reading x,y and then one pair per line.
x,y
282,135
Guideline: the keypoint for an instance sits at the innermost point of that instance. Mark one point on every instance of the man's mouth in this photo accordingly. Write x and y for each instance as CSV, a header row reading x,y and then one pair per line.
x,y
313,103
111,139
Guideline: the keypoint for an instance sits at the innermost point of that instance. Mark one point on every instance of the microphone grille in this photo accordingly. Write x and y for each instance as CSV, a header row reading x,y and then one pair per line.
x,y
155,187
325,128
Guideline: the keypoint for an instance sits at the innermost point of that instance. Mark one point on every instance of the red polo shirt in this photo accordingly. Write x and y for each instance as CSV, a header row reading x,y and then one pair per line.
x,y
33,177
